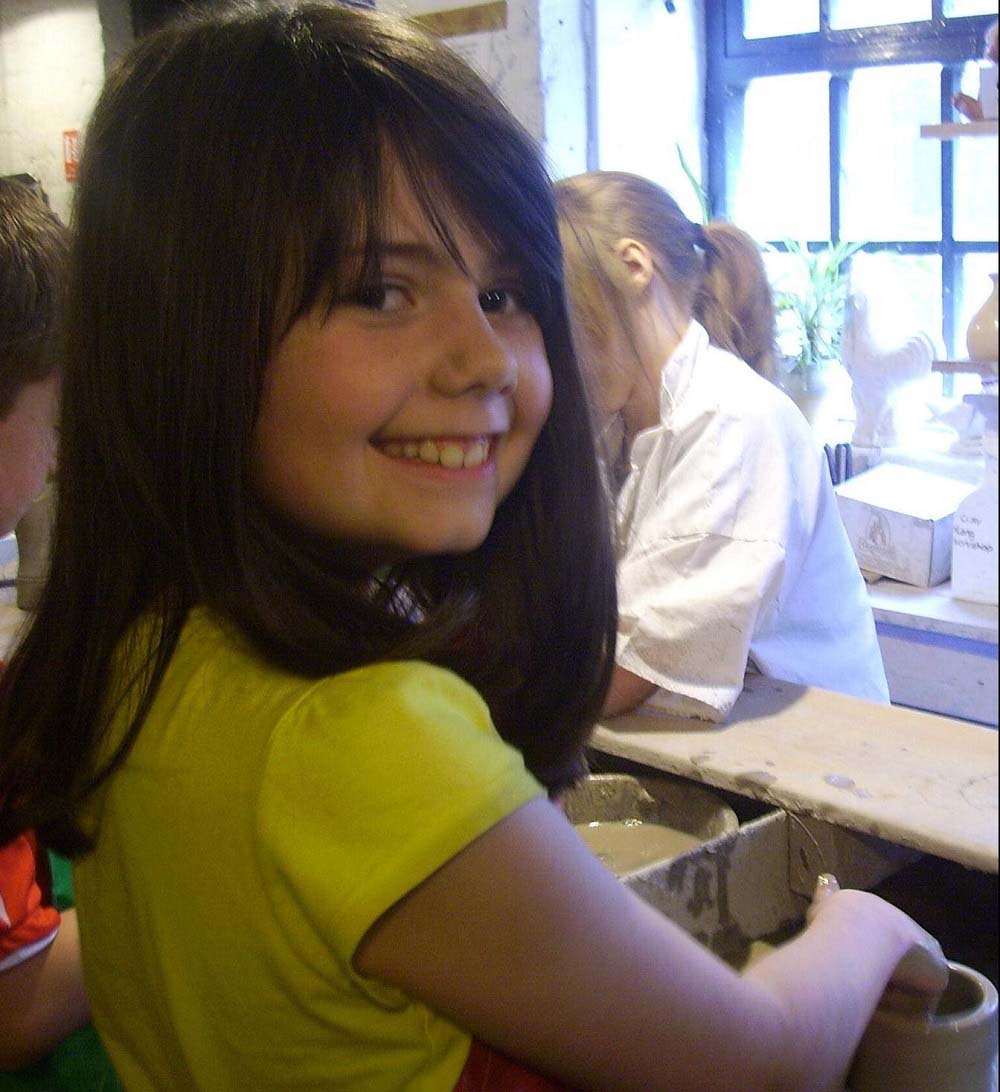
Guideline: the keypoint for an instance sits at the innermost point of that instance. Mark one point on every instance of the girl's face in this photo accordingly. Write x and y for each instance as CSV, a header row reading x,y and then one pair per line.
x,y
27,449
400,420
612,368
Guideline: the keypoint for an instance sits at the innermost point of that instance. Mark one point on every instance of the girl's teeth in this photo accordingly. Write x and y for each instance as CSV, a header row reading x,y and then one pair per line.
x,y
452,456
475,456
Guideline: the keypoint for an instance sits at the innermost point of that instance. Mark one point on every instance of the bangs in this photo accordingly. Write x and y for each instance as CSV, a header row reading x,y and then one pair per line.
x,y
460,172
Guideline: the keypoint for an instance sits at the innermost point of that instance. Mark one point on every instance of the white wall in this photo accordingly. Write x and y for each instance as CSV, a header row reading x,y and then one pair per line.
x,y
564,42
536,65
651,91
51,69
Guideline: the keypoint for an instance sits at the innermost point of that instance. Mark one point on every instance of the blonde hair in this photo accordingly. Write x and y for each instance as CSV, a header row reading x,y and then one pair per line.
x,y
714,273
734,301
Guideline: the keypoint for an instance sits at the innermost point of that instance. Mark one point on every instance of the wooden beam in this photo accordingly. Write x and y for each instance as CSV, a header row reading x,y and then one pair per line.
x,y
470,20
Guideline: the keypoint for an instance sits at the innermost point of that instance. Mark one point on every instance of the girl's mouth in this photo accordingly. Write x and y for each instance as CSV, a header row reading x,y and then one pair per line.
x,y
453,453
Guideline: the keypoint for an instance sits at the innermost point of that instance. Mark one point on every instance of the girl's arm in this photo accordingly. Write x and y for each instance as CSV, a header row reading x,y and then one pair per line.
x,y
627,690
527,941
42,1000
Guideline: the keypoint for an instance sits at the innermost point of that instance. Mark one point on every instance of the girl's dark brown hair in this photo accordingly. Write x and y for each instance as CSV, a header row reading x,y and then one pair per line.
x,y
231,162
715,273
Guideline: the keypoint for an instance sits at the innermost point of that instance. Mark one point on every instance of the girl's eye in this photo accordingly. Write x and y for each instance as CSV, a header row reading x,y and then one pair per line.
x,y
502,301
383,297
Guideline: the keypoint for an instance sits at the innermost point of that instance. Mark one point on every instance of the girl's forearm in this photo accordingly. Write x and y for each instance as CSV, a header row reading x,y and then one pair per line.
x,y
626,691
829,981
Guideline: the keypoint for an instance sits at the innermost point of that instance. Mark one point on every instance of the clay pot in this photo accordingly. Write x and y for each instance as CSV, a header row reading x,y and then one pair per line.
x,y
823,395
955,1050
981,337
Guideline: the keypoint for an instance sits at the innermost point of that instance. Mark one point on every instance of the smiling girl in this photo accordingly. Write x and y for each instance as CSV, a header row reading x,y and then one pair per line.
x,y
332,610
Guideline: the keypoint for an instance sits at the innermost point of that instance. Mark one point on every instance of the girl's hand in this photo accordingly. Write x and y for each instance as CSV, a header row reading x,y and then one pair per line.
x,y
920,976
826,887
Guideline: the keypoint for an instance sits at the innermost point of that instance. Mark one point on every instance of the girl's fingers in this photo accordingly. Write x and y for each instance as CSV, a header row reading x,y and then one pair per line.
x,y
826,886
919,978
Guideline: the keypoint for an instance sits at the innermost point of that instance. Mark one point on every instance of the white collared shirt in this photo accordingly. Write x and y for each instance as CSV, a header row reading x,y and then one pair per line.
x,y
732,551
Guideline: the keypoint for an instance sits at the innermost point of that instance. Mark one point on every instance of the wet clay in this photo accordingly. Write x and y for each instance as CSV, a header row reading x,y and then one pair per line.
x,y
954,1050
630,844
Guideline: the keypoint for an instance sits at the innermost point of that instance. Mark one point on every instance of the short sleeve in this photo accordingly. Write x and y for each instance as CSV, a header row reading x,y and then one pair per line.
x,y
373,781
27,925
689,608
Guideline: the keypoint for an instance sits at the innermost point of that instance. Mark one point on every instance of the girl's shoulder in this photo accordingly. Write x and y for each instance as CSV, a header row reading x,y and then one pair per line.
x,y
212,645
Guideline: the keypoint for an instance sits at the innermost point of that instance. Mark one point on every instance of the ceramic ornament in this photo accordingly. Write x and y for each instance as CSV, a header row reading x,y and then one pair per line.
x,y
878,375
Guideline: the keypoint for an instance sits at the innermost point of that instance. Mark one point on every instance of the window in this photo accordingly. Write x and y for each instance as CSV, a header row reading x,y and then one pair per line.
x,y
813,115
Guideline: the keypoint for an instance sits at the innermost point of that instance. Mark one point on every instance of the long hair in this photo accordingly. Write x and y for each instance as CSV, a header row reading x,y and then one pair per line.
x,y
231,163
714,273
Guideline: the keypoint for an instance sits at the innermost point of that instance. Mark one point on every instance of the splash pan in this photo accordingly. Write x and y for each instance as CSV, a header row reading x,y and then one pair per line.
x,y
634,823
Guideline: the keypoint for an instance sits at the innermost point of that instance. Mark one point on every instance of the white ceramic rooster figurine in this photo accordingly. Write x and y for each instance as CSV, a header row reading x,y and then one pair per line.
x,y
878,375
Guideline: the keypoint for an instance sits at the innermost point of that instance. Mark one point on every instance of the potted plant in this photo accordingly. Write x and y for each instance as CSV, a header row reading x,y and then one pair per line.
x,y
810,302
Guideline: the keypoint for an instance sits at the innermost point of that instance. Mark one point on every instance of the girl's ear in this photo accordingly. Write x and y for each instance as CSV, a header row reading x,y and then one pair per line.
x,y
637,260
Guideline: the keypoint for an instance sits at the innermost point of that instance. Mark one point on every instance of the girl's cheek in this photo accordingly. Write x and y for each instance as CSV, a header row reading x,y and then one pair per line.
x,y
534,390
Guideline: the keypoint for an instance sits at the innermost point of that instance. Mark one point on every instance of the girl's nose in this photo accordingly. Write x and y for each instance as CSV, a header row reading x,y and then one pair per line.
x,y
475,355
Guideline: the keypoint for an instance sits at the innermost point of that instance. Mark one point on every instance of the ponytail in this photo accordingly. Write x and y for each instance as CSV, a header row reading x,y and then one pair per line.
x,y
734,302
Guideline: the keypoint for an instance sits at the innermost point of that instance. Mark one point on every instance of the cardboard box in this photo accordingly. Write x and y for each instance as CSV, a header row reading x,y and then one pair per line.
x,y
899,520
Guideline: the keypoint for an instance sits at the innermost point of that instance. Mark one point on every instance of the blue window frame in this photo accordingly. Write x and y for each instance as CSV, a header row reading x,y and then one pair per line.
x,y
734,61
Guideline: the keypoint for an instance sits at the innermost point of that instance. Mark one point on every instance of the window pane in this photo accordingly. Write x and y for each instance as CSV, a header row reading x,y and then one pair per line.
x,y
891,178
786,273
767,19
845,14
970,7
782,183
904,295
976,180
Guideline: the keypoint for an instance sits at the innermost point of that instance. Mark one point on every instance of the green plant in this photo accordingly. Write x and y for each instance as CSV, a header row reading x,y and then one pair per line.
x,y
700,192
811,310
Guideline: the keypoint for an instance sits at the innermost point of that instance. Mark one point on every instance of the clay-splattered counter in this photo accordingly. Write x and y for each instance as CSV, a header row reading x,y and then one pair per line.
x,y
914,779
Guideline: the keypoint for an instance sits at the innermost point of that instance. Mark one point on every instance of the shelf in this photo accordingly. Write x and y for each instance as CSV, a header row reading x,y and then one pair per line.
x,y
986,368
953,129
466,20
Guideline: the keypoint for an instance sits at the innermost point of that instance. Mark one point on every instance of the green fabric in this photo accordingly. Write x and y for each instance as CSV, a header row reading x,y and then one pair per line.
x,y
79,1063
62,882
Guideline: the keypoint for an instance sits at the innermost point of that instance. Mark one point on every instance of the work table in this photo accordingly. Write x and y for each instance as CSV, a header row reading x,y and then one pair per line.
x,y
933,610
940,653
914,779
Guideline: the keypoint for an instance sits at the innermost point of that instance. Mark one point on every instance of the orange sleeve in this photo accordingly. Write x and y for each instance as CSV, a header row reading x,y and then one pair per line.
x,y
27,925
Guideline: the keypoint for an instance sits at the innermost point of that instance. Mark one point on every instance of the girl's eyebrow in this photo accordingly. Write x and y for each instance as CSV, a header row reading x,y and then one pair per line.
x,y
427,254
421,252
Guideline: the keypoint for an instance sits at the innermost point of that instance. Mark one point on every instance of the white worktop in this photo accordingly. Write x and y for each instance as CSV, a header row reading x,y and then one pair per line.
x,y
916,779
932,610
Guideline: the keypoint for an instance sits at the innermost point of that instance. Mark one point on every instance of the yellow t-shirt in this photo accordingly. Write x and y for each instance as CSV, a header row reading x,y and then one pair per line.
x,y
260,825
